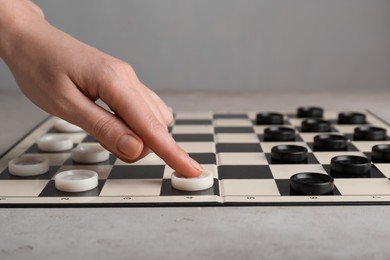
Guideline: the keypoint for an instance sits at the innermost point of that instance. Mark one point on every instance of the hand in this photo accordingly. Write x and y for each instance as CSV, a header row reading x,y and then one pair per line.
x,y
65,77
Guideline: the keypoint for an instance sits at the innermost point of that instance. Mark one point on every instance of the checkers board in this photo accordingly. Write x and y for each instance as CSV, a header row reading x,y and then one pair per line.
x,y
229,144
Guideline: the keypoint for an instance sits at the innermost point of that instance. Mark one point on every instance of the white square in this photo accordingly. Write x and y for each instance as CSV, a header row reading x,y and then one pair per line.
x,y
197,147
194,115
296,121
267,146
236,138
28,188
236,187
193,129
366,146
242,159
363,186
346,129
131,187
232,122
325,157
384,168
284,171
150,159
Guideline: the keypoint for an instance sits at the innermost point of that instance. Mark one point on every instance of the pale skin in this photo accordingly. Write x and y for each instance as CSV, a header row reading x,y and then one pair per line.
x,y
65,77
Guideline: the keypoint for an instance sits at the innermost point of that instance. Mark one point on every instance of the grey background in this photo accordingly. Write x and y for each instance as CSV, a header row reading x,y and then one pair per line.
x,y
232,45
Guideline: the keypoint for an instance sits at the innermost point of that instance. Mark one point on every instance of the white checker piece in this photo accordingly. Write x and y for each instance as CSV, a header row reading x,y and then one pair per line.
x,y
204,181
366,186
103,171
54,158
208,167
264,187
236,138
242,159
267,146
285,171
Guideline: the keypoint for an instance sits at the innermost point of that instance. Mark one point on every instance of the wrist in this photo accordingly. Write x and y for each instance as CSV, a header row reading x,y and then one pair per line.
x,y
16,16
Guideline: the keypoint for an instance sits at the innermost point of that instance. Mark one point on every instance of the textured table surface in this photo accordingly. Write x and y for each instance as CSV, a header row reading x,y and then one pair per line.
x,y
337,232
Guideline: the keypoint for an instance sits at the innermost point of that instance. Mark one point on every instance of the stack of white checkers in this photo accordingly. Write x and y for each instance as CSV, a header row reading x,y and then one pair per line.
x,y
80,180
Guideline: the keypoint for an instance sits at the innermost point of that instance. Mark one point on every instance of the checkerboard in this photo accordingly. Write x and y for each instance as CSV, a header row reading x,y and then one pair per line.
x,y
228,144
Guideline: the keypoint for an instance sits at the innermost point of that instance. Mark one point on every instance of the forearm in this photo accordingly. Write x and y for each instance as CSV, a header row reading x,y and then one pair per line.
x,y
16,16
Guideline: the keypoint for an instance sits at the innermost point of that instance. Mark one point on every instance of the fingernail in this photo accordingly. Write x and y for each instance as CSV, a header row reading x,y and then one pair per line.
x,y
129,145
196,165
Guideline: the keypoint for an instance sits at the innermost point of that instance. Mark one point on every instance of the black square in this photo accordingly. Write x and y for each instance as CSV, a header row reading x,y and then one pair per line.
x,y
238,148
6,175
230,116
204,158
51,191
137,172
298,138
168,190
193,137
285,190
235,130
311,159
374,173
110,161
193,122
244,172
89,139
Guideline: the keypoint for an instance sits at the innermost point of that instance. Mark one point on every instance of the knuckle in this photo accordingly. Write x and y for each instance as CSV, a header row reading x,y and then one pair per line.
x,y
155,125
103,128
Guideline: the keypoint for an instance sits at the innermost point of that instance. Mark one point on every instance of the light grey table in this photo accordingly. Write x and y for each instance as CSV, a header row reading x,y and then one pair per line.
x,y
337,232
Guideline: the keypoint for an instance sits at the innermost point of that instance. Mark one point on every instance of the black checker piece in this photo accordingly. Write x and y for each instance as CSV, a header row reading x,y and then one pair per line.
x,y
373,173
285,190
238,148
244,172
137,172
381,153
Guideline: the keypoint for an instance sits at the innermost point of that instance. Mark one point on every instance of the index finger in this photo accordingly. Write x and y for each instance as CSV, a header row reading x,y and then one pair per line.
x,y
135,111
